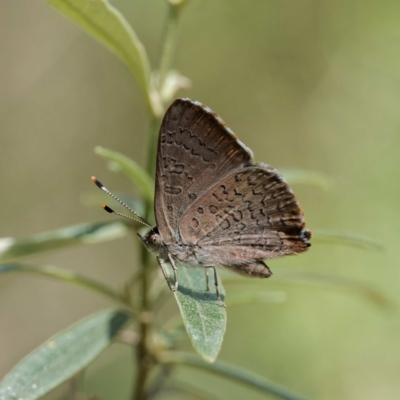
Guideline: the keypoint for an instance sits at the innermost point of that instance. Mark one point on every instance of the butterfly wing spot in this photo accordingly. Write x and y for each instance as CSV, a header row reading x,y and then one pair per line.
x,y
171,166
192,196
175,190
237,215
200,210
195,223
229,209
241,226
255,193
190,142
259,246
213,209
223,222
197,147
221,193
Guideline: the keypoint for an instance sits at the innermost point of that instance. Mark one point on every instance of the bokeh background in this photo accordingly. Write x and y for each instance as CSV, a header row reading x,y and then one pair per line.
x,y
305,84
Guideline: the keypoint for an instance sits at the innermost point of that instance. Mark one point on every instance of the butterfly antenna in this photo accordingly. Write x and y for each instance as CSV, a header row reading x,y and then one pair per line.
x,y
111,211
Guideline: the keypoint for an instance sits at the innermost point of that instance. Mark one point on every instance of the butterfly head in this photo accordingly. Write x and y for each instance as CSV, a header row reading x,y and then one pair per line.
x,y
152,240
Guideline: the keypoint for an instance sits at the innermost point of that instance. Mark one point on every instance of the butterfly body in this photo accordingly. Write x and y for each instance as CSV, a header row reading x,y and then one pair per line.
x,y
189,255
213,204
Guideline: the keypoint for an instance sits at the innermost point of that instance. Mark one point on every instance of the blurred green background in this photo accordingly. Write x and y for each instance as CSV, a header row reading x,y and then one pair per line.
x,y
305,84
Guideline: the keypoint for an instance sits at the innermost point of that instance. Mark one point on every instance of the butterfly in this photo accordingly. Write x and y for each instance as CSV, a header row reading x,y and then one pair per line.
x,y
213,205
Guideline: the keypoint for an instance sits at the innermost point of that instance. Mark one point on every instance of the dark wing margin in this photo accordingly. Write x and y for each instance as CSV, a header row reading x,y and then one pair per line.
x,y
195,150
251,214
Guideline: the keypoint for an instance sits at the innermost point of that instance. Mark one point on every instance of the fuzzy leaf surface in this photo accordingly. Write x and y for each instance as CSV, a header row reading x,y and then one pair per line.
x,y
62,356
203,316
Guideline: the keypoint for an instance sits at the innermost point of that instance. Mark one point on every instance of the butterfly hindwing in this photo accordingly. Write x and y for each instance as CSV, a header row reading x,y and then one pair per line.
x,y
250,214
195,150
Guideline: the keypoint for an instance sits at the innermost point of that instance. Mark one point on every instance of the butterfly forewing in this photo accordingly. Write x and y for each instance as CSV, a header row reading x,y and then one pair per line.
x,y
195,150
251,214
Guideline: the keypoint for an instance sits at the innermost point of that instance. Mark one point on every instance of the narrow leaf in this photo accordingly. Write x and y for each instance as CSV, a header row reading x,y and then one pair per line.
x,y
204,317
122,163
335,282
347,239
62,356
297,277
236,374
308,177
105,23
63,275
11,248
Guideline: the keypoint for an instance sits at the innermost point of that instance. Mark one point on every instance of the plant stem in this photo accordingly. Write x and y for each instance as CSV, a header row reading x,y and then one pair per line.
x,y
151,157
144,358
169,43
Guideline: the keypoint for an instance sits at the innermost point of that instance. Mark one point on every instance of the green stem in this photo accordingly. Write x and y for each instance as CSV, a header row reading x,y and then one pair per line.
x,y
151,157
144,359
170,41
231,372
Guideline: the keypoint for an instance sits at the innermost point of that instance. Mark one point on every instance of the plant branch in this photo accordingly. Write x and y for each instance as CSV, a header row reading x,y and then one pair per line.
x,y
231,372
170,41
144,359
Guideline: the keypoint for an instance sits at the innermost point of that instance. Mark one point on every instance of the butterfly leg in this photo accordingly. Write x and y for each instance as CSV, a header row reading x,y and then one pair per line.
x,y
161,264
216,288
207,283
171,260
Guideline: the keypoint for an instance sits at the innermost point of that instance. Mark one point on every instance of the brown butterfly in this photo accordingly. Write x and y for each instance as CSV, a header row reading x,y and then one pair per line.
x,y
215,206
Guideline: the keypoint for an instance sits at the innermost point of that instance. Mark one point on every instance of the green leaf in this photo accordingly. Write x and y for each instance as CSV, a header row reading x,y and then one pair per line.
x,y
62,356
11,248
335,282
308,177
236,374
121,163
105,23
321,279
347,239
64,275
204,317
